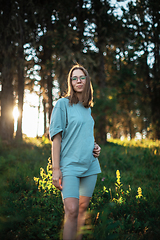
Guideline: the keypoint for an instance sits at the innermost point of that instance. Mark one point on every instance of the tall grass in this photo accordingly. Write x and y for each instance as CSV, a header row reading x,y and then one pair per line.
x,y
139,165
28,213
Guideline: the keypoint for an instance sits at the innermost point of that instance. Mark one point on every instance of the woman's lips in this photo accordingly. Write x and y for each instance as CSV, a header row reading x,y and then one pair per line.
x,y
79,86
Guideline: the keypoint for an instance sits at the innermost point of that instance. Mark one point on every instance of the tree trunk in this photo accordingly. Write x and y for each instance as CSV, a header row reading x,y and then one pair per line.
x,y
7,122
50,86
20,84
101,134
131,127
45,120
155,101
39,108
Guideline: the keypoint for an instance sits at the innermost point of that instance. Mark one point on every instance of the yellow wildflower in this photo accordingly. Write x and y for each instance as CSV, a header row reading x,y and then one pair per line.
x,y
49,160
118,177
105,189
155,151
139,193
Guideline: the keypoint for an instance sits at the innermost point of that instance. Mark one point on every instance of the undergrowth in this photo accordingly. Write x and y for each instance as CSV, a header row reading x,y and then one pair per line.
x,y
125,203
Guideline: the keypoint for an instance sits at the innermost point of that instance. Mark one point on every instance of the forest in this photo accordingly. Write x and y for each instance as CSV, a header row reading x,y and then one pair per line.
x,y
41,40
118,42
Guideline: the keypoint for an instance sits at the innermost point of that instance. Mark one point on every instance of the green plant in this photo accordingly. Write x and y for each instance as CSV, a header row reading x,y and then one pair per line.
x,y
119,214
28,213
45,182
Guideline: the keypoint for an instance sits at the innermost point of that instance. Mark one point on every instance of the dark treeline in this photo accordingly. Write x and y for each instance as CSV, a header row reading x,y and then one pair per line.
x,y
121,53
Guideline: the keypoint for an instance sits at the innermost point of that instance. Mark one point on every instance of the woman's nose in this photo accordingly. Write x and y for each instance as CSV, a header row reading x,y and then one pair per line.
x,y
78,80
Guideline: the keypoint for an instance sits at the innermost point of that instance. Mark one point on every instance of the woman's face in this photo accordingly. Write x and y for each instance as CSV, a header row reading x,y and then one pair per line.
x,y
78,80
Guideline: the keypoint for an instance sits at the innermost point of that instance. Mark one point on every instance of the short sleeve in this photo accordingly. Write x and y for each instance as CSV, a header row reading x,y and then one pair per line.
x,y
58,120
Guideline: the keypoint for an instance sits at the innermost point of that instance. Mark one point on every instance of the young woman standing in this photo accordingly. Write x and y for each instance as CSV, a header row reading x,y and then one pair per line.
x,y
74,152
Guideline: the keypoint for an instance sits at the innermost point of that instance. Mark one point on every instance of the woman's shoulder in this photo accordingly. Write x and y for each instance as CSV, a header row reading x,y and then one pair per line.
x,y
62,102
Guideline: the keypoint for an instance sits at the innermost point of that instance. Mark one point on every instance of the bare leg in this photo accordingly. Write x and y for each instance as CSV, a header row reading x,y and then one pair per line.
x,y
83,205
71,206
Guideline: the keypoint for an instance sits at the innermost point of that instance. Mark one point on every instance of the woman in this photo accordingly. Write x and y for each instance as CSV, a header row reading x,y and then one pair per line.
x,y
74,153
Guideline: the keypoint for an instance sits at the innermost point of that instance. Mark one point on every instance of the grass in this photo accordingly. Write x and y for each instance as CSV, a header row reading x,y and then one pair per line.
x,y
114,212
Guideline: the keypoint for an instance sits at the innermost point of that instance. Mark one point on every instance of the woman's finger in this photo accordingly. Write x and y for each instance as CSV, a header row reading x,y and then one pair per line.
x,y
96,154
57,183
96,150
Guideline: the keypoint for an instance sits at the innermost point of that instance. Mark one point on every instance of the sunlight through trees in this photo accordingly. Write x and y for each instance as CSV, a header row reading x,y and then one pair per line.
x,y
41,40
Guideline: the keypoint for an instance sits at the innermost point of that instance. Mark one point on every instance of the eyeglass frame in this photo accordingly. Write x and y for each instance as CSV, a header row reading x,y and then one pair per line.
x,y
78,78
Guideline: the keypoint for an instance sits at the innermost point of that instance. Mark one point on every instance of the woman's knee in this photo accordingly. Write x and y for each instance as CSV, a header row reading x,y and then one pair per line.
x,y
71,207
83,204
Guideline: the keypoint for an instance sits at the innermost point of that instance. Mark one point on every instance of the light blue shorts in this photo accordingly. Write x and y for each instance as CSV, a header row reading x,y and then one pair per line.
x,y
73,186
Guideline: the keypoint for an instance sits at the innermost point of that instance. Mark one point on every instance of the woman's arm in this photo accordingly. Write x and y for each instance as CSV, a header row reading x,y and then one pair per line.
x,y
56,173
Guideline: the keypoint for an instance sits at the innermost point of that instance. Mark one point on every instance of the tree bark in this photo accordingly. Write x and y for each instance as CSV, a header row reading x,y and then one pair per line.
x,y
7,101
45,120
131,128
50,86
155,93
101,134
20,92
20,84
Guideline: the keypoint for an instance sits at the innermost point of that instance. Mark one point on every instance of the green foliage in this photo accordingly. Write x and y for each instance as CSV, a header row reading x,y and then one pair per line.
x,y
25,213
126,214
45,182
116,211
120,215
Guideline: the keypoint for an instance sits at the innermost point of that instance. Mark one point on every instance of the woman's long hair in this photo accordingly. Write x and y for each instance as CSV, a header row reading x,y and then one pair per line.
x,y
87,94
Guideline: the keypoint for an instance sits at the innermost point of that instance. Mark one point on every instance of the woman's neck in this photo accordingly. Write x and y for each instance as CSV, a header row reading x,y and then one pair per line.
x,y
79,95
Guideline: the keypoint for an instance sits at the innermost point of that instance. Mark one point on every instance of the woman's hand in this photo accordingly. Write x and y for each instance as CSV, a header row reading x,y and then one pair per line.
x,y
57,178
96,150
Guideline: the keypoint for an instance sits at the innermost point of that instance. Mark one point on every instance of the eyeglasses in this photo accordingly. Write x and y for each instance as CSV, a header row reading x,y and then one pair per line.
x,y
82,78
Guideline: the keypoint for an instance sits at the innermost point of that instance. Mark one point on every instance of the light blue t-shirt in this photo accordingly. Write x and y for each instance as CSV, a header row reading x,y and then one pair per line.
x,y
77,127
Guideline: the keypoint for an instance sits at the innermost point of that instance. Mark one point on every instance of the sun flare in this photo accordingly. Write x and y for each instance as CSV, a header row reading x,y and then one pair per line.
x,y
15,113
